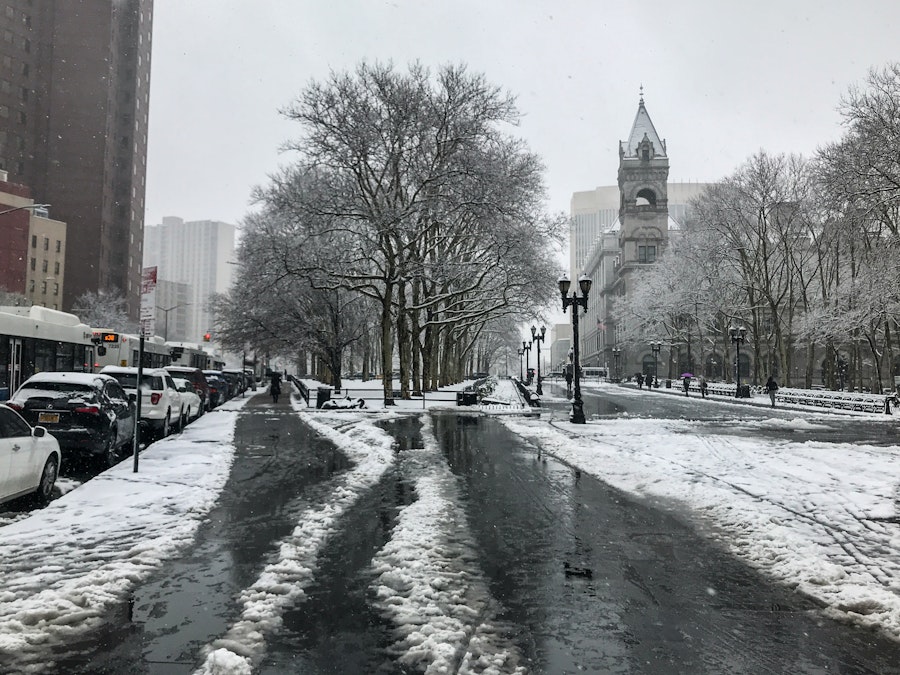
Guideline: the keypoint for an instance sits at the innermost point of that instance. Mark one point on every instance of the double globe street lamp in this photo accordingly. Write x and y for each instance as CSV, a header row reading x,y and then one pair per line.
x,y
538,338
584,283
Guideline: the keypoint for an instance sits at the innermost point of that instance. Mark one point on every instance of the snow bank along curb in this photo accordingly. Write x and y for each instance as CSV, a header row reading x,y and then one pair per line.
x,y
96,544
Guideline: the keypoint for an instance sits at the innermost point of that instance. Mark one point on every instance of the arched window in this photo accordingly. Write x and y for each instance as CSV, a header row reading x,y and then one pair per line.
x,y
646,197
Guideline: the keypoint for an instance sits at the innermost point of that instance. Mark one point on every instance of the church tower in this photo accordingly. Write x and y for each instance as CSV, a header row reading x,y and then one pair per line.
x,y
643,205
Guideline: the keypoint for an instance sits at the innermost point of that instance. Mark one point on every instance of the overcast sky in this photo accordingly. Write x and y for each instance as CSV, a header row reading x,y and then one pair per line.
x,y
719,84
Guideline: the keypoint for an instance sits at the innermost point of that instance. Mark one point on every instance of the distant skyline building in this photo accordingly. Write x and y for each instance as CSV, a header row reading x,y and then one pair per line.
x,y
197,254
74,101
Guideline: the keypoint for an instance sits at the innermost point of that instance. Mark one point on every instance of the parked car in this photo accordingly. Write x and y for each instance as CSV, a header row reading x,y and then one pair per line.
x,y
195,375
161,410
30,456
222,384
191,404
236,381
88,414
218,390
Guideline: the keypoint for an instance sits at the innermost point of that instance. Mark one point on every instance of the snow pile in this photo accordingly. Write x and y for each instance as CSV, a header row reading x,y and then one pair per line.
x,y
96,545
429,582
819,517
281,584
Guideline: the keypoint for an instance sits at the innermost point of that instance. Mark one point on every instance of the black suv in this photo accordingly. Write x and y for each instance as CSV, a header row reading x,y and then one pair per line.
x,y
88,414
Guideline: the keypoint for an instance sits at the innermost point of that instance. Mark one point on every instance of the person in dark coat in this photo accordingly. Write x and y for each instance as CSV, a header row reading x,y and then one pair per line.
x,y
275,388
703,386
771,388
640,380
687,385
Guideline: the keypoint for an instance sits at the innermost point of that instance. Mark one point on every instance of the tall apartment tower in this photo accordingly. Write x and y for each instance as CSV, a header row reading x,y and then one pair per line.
x,y
74,96
199,254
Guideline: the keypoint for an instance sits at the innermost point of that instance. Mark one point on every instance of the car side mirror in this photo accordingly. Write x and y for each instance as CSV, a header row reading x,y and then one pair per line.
x,y
38,432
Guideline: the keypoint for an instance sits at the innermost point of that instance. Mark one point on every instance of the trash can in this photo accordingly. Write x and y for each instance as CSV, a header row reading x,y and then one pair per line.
x,y
466,398
668,384
744,391
322,394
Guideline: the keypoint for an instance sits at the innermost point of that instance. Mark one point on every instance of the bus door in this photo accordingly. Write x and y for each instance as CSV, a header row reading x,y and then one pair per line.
x,y
15,364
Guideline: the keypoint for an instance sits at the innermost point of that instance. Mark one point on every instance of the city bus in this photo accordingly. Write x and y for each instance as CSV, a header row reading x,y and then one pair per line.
x,y
195,356
39,339
121,349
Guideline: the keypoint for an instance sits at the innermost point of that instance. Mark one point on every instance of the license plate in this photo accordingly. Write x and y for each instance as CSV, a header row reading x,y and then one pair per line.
x,y
48,418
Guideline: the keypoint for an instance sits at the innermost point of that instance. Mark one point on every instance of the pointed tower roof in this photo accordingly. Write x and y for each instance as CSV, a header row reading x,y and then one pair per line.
x,y
642,127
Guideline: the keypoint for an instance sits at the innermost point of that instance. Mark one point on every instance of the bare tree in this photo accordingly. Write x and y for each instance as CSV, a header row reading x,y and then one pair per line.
x,y
104,309
424,204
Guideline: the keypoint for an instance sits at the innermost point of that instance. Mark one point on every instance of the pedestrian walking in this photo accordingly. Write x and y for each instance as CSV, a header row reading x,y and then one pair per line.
x,y
640,380
771,388
687,385
275,388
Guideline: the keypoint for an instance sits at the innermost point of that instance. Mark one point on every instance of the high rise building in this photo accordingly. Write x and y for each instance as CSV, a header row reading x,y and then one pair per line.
x,y
198,254
74,96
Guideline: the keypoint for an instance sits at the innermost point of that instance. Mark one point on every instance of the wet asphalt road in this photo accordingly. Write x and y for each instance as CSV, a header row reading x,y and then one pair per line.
x,y
590,579
725,416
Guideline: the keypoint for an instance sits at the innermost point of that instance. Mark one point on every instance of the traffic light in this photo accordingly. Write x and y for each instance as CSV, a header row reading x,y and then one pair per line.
x,y
206,337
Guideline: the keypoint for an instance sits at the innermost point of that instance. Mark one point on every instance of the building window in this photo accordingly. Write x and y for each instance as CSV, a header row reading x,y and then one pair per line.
x,y
46,243
56,268
55,289
44,266
31,286
33,264
646,254
34,241
44,288
58,245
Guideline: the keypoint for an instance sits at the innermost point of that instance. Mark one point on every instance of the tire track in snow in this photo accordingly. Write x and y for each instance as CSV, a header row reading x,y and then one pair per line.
x,y
282,584
429,583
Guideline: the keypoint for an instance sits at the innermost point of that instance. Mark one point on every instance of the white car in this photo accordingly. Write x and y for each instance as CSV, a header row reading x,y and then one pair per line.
x,y
191,405
29,458
161,407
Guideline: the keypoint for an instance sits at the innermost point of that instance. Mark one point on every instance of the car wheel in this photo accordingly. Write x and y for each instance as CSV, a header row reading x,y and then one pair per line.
x,y
167,426
48,480
181,420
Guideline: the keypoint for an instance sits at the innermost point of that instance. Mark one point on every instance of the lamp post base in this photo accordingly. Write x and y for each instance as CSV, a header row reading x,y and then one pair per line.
x,y
577,416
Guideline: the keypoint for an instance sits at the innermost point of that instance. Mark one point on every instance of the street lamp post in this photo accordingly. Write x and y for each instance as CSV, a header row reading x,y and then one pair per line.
x,y
616,351
166,311
24,208
738,336
520,352
584,283
538,338
655,347
526,347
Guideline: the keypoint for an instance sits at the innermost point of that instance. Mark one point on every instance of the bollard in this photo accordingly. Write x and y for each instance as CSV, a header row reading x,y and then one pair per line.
x,y
887,405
